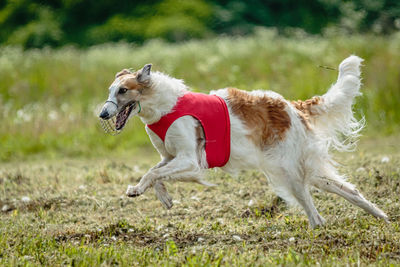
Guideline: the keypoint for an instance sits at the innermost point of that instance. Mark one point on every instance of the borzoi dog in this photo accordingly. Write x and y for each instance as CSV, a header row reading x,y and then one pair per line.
x,y
289,141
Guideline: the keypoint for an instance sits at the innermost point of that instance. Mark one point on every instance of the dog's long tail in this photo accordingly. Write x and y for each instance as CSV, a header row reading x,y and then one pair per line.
x,y
331,115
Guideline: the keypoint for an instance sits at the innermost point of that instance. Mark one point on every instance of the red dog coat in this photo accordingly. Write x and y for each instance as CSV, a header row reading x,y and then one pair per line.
x,y
211,111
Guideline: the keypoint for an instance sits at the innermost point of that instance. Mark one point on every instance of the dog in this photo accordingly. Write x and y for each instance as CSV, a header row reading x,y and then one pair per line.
x,y
289,141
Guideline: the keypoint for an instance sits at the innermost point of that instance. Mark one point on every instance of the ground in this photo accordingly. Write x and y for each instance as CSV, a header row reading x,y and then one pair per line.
x,y
74,212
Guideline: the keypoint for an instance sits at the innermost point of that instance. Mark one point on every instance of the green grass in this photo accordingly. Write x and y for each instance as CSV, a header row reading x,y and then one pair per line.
x,y
49,98
77,214
62,180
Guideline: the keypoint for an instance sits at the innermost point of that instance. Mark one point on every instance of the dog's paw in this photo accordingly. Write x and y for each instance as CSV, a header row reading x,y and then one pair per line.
x,y
134,191
385,218
318,222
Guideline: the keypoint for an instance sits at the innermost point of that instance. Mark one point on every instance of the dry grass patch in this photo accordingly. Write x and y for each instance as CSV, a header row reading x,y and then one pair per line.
x,y
75,212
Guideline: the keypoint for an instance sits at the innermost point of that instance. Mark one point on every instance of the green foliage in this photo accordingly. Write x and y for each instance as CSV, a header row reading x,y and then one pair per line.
x,y
172,20
41,23
50,98
54,23
29,24
45,29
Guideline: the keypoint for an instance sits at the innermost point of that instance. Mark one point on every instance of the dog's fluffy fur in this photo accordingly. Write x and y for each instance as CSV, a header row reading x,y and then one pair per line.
x,y
288,141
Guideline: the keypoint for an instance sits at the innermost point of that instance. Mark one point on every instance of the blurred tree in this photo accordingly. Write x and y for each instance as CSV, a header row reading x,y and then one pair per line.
x,y
241,16
37,23
173,20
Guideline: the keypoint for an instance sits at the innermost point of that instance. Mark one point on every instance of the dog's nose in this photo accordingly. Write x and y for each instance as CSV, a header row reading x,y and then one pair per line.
x,y
104,114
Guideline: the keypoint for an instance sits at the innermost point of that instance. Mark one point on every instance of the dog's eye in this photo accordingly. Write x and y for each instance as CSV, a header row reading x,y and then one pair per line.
x,y
122,91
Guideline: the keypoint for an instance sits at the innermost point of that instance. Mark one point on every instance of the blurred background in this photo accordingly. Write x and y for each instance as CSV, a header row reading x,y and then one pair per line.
x,y
84,23
57,59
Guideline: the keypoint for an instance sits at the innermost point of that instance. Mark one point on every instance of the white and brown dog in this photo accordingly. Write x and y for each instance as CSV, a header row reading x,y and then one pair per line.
x,y
289,141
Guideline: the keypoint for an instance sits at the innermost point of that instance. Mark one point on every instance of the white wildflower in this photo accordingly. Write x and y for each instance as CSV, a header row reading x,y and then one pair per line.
x,y
251,203
166,235
361,169
237,238
25,199
5,208
136,168
82,187
385,159
53,115
195,198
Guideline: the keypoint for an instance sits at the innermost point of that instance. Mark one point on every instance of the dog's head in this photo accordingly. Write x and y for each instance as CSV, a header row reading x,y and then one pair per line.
x,y
125,94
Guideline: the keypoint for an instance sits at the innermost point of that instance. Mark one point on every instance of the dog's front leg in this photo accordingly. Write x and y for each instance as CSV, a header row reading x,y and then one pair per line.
x,y
162,163
178,167
162,195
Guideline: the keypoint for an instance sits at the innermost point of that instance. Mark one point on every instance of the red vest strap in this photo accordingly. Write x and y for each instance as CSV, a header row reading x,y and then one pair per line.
x,y
211,111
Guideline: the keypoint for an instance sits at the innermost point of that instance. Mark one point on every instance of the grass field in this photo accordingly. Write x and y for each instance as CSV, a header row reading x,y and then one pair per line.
x,y
62,180
74,212
49,98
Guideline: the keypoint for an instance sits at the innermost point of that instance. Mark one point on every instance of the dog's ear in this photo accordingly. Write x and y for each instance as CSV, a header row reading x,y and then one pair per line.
x,y
123,72
144,74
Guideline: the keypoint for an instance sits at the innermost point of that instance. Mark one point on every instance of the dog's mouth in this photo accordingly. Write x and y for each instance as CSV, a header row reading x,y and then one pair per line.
x,y
123,115
115,124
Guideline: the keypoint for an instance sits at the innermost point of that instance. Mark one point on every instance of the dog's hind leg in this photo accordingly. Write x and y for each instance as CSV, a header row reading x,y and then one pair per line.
x,y
294,190
346,190
303,196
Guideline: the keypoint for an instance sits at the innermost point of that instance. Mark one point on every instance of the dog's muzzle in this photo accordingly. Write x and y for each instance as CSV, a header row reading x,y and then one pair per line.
x,y
115,124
